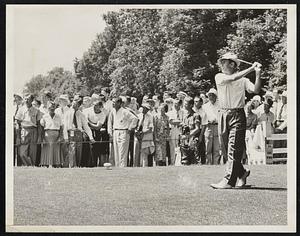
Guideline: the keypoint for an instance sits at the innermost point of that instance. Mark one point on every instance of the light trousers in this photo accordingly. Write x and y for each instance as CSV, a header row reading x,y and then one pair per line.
x,y
212,145
121,146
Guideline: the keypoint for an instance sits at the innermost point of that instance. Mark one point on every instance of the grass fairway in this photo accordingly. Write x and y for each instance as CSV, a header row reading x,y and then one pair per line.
x,y
147,196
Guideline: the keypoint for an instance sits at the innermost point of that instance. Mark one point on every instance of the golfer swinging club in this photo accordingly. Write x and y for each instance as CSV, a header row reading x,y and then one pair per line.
x,y
231,86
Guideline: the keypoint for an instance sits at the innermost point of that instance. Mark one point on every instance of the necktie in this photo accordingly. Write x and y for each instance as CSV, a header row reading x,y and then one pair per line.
x,y
141,124
75,120
280,112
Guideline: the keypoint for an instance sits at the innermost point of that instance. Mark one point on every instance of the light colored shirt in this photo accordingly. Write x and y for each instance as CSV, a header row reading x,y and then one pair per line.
x,y
231,94
82,123
121,119
28,116
148,123
212,112
51,123
92,117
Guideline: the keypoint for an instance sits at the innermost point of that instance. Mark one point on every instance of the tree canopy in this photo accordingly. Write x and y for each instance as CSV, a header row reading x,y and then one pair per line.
x,y
144,51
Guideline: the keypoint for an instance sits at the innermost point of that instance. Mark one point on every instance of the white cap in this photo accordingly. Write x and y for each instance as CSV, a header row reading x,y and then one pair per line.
x,y
256,98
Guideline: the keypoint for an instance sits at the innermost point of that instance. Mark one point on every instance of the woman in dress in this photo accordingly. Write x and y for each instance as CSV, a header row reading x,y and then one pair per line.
x,y
52,134
162,133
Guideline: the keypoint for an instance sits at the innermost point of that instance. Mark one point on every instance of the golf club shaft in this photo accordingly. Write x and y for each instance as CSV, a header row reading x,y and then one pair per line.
x,y
249,63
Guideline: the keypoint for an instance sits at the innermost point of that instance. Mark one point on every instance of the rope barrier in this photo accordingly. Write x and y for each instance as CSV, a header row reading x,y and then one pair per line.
x,y
90,142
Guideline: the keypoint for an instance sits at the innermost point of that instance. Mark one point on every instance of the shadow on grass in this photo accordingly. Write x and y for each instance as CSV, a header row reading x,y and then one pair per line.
x,y
250,187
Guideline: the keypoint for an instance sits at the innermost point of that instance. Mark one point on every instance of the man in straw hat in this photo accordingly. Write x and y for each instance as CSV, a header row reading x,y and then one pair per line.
x,y
212,144
231,85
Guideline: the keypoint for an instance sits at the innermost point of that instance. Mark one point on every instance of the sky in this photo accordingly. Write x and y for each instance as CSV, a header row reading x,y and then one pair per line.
x,y
43,37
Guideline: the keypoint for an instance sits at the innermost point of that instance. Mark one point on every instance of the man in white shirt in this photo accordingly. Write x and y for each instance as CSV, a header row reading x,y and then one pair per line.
x,y
75,124
176,119
231,85
198,108
120,122
212,144
63,102
29,130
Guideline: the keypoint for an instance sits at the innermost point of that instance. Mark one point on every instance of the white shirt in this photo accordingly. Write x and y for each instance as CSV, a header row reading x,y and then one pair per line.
x,y
92,117
231,94
122,119
82,123
211,111
28,116
51,123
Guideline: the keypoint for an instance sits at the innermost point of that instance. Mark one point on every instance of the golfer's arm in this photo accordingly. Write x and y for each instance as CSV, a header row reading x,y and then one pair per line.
x,y
240,74
257,84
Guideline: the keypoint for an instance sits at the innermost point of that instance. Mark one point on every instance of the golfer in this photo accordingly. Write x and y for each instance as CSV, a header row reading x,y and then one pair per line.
x,y
231,86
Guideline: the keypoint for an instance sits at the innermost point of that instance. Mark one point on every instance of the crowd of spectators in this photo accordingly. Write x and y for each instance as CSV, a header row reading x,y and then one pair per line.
x,y
160,130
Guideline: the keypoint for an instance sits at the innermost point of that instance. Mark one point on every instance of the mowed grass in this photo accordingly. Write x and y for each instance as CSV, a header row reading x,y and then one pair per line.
x,y
147,196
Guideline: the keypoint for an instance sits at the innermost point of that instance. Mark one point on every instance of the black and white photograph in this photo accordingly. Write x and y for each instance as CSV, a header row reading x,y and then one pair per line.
x,y
151,118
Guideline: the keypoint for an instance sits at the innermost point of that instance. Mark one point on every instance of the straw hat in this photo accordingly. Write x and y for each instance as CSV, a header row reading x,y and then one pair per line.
x,y
230,56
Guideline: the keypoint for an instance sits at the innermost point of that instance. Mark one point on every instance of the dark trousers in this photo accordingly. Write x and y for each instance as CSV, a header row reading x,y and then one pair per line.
x,y
200,152
27,150
87,157
75,147
232,131
38,154
130,150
